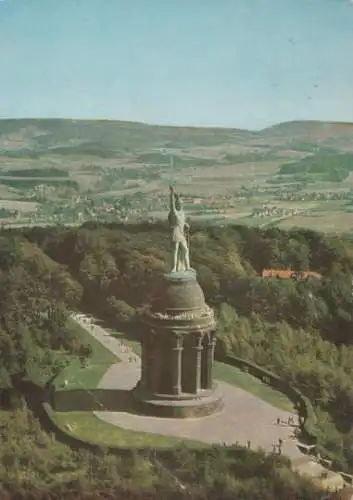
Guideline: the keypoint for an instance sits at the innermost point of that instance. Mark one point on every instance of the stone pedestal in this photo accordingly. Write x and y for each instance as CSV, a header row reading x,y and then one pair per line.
x,y
177,346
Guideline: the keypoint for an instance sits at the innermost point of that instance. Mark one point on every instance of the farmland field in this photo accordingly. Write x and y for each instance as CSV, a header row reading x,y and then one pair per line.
x,y
326,221
257,221
72,170
24,206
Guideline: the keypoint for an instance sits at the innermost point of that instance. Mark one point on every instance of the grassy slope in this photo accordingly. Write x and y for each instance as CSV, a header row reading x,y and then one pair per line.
x,y
251,384
89,427
89,376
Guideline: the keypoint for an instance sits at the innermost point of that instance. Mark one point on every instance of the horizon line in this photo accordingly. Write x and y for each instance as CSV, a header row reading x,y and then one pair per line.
x,y
151,124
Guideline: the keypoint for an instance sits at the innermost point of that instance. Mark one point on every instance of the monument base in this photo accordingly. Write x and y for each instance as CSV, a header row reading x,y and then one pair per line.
x,y
182,275
206,403
178,344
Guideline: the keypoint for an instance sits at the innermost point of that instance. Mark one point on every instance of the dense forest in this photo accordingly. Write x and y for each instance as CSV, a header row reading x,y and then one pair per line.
x,y
34,465
301,330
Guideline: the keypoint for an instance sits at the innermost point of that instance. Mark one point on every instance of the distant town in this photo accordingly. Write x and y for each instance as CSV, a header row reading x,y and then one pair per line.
x,y
48,206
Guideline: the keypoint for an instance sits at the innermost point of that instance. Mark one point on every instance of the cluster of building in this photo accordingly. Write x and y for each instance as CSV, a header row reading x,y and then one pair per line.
x,y
41,191
267,211
314,196
207,200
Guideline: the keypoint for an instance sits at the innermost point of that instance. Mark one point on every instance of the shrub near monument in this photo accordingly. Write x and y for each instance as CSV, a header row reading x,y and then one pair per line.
x,y
50,469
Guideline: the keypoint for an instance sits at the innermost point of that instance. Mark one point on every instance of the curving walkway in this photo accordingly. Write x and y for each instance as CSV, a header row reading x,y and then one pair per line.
x,y
245,417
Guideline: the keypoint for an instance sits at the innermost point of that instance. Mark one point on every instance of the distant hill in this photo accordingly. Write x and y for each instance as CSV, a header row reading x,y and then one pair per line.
x,y
311,137
103,137
309,129
32,138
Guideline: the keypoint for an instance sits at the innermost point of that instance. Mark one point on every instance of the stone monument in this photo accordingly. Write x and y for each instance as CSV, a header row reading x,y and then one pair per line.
x,y
178,338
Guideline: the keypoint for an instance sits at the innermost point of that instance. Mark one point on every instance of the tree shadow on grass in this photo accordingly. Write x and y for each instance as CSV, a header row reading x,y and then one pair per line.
x,y
35,396
117,400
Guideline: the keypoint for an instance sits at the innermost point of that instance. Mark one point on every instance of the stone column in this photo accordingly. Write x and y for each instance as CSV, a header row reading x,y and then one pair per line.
x,y
209,362
197,360
175,359
156,362
151,360
144,360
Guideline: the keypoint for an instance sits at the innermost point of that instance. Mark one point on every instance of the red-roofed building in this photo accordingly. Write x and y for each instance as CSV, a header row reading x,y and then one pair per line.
x,y
290,274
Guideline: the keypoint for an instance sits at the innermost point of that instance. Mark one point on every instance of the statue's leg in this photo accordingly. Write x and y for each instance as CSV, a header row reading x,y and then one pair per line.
x,y
186,256
181,259
175,256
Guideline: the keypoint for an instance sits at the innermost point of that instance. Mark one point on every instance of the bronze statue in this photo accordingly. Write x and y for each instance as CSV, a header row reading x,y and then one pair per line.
x,y
177,223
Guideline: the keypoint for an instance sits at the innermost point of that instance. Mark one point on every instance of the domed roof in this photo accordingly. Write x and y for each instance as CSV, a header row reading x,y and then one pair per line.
x,y
178,292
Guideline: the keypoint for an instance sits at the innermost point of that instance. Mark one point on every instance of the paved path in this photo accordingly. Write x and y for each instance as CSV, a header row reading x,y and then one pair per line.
x,y
114,345
244,418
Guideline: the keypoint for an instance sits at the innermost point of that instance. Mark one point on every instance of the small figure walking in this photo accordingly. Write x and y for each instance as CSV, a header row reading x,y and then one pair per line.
x,y
280,443
249,444
278,420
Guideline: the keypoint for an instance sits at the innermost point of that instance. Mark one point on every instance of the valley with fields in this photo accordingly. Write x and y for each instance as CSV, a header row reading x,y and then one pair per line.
x,y
295,174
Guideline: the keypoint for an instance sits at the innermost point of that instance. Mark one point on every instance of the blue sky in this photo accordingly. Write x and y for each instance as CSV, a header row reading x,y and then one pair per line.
x,y
238,63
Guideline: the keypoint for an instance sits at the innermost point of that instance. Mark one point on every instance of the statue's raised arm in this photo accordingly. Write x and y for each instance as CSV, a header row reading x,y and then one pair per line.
x,y
171,199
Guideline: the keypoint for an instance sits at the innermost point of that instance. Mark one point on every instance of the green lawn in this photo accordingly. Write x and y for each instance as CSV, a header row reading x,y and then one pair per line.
x,y
90,428
243,380
5,416
89,376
